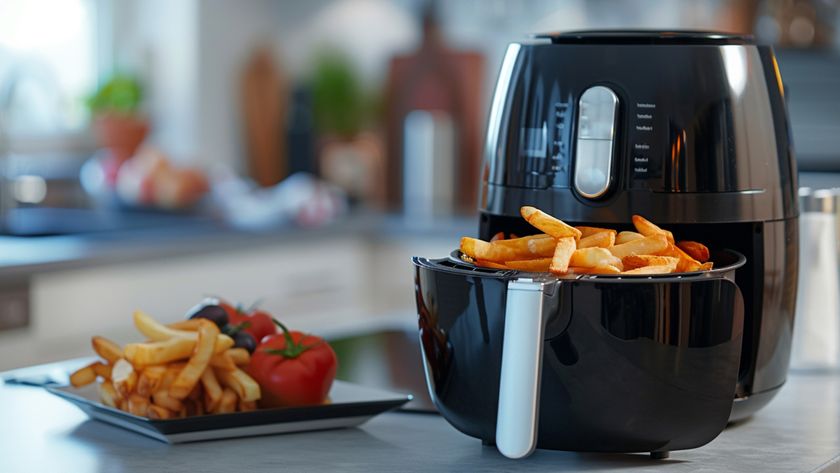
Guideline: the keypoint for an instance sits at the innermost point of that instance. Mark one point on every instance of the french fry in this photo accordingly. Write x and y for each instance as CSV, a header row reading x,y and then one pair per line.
x,y
190,375
548,224
602,269
539,265
138,405
686,263
223,361
662,269
108,350
212,389
627,236
586,231
158,332
189,325
648,228
108,394
498,236
696,250
158,412
149,380
600,239
490,264
102,370
162,398
245,406
83,376
240,356
160,352
507,250
523,241
643,246
637,261
707,266
124,377
243,385
562,254
592,257
227,403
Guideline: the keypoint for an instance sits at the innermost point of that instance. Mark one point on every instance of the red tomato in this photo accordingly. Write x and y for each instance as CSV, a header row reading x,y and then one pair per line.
x,y
293,369
258,323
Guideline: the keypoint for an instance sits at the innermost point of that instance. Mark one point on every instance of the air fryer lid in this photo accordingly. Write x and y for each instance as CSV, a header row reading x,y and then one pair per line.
x,y
676,37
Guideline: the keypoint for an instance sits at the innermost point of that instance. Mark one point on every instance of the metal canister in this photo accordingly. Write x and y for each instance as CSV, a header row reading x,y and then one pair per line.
x,y
816,343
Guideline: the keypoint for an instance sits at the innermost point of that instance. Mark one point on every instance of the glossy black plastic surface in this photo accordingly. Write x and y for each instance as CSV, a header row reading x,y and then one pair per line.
x,y
629,365
651,37
702,133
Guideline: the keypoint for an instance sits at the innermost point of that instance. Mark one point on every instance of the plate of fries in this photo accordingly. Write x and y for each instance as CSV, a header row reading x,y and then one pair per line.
x,y
187,383
562,249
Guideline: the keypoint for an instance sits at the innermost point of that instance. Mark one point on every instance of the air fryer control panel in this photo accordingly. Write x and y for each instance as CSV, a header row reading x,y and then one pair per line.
x,y
594,132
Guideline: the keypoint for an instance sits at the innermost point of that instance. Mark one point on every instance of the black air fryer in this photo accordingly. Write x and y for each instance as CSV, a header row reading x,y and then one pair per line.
x,y
688,129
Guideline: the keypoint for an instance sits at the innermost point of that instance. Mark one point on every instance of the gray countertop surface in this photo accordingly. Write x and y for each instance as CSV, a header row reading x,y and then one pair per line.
x,y
798,432
24,256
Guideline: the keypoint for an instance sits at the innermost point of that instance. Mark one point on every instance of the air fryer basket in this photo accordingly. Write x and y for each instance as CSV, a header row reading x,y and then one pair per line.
x,y
629,364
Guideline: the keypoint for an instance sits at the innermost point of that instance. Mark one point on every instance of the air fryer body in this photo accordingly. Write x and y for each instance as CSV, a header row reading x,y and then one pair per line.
x,y
699,143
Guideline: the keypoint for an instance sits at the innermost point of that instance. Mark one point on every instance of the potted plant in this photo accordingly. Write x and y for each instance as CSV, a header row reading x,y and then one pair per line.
x,y
118,122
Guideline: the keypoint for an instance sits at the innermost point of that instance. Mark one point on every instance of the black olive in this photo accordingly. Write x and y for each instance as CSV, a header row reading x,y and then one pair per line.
x,y
245,340
213,313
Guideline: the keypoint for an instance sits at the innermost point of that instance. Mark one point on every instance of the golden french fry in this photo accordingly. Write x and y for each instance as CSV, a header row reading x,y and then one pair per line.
x,y
83,376
562,254
227,403
662,269
498,236
102,370
190,325
158,332
507,250
489,264
637,261
686,263
212,389
643,246
124,377
223,361
158,412
108,350
138,405
708,265
648,228
539,265
150,379
245,406
199,361
548,224
518,243
108,394
600,239
586,231
602,269
161,352
162,398
243,385
592,257
627,236
240,356
696,250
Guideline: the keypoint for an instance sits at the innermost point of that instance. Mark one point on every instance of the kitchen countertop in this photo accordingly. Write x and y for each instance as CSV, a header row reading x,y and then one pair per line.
x,y
798,431
23,256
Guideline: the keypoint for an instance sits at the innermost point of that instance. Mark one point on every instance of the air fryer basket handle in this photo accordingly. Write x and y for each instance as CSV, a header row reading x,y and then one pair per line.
x,y
519,386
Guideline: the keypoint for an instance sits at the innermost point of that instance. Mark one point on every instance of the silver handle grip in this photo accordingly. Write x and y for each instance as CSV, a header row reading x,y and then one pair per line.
x,y
519,387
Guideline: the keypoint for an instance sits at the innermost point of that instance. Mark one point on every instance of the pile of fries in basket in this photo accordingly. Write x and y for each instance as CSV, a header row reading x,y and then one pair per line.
x,y
564,249
186,368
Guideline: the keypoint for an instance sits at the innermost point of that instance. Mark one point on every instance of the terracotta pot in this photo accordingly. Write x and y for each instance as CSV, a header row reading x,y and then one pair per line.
x,y
121,134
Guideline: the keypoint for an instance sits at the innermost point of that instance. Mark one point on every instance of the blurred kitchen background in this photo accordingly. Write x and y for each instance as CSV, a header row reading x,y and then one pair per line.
x,y
295,153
